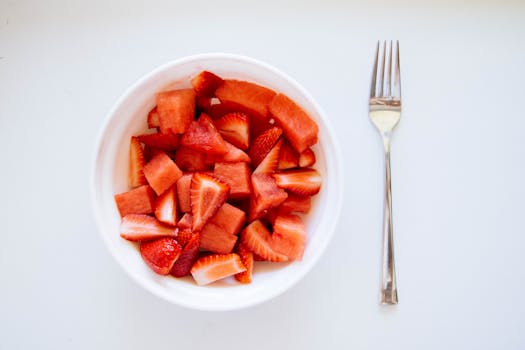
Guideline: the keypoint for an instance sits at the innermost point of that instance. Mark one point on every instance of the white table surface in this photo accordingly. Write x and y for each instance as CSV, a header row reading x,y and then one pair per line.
x,y
457,166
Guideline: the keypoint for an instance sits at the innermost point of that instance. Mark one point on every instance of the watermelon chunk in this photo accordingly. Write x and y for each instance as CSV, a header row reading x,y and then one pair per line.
x,y
140,200
266,195
230,218
216,239
248,96
205,83
183,192
176,110
161,173
289,236
237,176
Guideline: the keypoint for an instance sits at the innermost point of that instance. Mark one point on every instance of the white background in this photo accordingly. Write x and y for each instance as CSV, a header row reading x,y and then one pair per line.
x,y
457,166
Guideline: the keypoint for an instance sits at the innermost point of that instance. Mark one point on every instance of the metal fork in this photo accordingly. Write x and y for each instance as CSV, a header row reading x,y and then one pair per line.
x,y
385,112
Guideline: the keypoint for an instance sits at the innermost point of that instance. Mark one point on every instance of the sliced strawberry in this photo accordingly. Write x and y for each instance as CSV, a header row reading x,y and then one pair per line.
x,y
237,176
289,236
160,254
153,118
186,222
307,158
176,110
257,238
203,104
161,173
214,267
247,260
184,236
207,195
266,195
187,257
190,160
230,218
216,239
263,144
289,157
205,83
183,192
297,125
295,203
233,155
235,128
271,161
165,142
257,257
137,227
166,206
140,200
304,182
203,136
250,96
136,163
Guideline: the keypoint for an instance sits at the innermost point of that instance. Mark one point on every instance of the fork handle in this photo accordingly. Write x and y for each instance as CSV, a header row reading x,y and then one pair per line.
x,y
388,285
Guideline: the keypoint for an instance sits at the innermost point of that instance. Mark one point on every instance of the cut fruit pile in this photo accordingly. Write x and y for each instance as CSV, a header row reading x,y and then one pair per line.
x,y
220,180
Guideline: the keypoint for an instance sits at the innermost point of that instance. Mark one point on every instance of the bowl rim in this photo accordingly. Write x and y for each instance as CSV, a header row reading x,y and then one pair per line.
x,y
337,157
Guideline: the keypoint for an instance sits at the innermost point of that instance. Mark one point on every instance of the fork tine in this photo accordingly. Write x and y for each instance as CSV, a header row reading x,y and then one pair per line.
x,y
397,83
387,91
374,74
381,74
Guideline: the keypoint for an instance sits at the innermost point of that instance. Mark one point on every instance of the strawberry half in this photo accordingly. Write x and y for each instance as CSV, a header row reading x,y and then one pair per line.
x,y
289,158
153,118
233,155
187,257
137,227
166,206
246,256
307,158
271,161
257,238
235,128
205,83
289,236
203,136
214,267
263,144
136,163
186,222
207,195
160,254
165,142
295,203
304,182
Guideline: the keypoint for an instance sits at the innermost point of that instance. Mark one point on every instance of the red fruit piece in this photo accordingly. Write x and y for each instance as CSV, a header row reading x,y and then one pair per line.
x,y
137,227
263,144
136,163
161,173
271,161
140,200
183,192
190,160
207,195
150,153
166,206
289,158
237,176
187,257
257,238
235,128
205,83
186,222
160,254
203,136
165,142
307,158
247,260
214,267
266,195
289,236
153,118
184,236
230,218
298,127
216,239
233,155
304,182
249,96
176,110
295,203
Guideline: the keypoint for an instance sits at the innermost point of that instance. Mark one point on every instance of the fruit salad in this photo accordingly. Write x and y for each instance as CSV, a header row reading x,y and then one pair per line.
x,y
220,180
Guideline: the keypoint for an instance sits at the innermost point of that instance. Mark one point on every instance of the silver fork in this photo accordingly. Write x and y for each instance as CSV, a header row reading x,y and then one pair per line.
x,y
385,111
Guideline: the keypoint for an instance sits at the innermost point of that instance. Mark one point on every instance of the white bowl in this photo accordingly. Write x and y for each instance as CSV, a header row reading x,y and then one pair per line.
x,y
110,166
